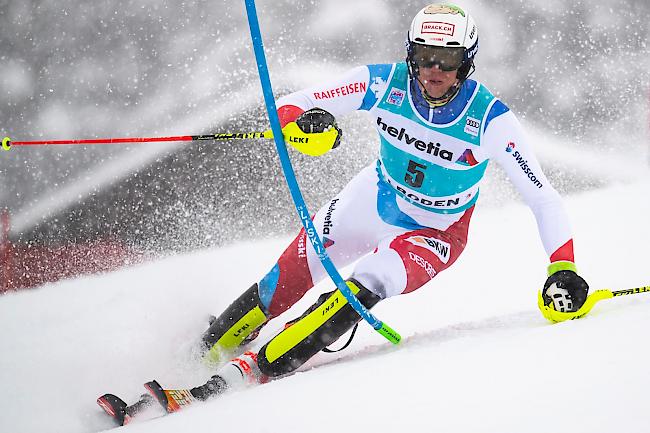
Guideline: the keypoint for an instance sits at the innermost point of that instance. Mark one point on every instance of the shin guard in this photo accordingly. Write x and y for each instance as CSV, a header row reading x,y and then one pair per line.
x,y
320,326
234,327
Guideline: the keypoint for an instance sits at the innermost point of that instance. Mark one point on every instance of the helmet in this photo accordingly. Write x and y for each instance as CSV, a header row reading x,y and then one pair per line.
x,y
442,34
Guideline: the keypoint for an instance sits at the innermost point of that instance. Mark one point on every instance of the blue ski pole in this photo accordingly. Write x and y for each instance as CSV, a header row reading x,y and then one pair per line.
x,y
294,189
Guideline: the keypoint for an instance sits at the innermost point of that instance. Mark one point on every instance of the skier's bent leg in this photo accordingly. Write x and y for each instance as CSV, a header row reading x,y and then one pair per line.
x,y
234,326
320,326
282,287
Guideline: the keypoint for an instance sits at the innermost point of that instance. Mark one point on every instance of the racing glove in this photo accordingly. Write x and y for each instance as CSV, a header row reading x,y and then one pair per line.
x,y
313,133
564,290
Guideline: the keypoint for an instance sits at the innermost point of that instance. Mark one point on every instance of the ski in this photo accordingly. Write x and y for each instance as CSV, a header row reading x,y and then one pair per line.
x,y
122,413
172,400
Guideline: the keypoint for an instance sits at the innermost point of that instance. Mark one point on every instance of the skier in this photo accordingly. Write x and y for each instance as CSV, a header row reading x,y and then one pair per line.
x,y
405,218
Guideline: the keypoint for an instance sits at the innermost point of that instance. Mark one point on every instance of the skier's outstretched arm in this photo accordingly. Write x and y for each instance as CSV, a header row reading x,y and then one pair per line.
x,y
339,96
310,114
508,144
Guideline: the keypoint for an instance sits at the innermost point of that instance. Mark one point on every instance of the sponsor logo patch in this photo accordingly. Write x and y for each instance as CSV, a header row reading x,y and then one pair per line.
x,y
423,264
523,164
327,224
436,246
302,251
414,198
510,147
438,28
472,126
467,158
344,90
472,51
396,96
402,135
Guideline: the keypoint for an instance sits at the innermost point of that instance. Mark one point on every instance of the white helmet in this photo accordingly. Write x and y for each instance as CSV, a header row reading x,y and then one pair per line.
x,y
442,34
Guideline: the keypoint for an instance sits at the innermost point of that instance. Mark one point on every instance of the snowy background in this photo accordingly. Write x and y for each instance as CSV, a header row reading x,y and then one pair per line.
x,y
575,70
477,354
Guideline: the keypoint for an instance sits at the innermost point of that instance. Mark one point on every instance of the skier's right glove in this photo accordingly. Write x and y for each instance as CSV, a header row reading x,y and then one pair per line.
x,y
564,291
313,133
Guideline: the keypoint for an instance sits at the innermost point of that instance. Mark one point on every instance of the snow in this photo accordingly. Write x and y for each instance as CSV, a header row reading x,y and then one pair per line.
x,y
476,356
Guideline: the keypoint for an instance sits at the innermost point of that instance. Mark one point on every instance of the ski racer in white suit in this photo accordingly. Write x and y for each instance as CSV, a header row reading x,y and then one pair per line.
x,y
404,218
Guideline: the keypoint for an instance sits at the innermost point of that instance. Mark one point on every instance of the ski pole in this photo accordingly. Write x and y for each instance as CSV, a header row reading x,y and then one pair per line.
x,y
7,143
592,299
292,183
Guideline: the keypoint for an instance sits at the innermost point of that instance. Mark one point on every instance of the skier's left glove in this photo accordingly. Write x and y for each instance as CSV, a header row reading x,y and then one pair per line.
x,y
564,291
313,133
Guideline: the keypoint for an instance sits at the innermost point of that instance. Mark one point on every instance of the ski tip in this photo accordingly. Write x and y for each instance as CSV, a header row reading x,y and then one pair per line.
x,y
156,391
153,387
115,407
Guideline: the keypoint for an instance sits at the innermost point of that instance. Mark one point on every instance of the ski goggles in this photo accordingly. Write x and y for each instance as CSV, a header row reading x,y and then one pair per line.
x,y
446,58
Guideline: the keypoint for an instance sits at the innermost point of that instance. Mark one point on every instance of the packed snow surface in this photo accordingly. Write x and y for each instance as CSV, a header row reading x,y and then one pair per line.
x,y
476,355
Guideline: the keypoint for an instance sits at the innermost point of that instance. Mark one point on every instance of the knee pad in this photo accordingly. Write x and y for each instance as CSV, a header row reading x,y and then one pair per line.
x,y
321,325
234,327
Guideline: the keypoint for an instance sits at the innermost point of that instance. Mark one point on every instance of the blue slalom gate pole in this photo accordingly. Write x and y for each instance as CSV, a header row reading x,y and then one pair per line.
x,y
294,188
